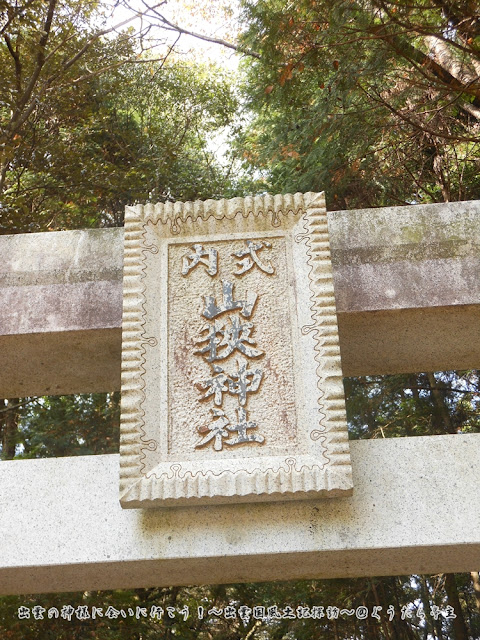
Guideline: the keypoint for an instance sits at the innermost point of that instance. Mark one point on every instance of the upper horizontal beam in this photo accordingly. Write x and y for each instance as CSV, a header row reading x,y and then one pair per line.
x,y
406,280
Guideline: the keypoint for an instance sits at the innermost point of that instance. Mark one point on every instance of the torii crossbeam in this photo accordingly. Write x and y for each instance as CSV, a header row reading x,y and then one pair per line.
x,y
408,296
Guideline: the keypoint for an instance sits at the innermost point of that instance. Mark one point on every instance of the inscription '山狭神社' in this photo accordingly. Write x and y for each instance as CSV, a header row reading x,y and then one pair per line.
x,y
230,335
235,288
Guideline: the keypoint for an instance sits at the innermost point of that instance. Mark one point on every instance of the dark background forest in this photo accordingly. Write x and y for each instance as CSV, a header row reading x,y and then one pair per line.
x,y
377,102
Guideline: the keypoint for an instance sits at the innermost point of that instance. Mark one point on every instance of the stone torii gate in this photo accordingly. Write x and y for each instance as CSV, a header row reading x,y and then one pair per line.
x,y
407,287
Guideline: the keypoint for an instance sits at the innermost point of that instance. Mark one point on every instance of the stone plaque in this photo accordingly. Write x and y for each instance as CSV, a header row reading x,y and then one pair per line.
x,y
231,380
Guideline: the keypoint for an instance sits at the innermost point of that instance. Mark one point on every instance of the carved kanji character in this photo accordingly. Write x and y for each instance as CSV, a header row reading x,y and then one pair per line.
x,y
212,333
212,310
207,257
238,337
241,384
222,340
250,257
219,429
216,385
215,430
241,428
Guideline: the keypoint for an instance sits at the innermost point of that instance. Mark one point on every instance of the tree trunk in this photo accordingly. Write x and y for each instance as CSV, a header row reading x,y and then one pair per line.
x,y
442,418
444,56
383,623
3,175
425,598
460,630
402,629
8,428
476,587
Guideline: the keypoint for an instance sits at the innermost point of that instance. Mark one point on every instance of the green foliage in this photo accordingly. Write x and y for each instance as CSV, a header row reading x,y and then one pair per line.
x,y
59,426
89,125
416,404
382,406
348,98
134,135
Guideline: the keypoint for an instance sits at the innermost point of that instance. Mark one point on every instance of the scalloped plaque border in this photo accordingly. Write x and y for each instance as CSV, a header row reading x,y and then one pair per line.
x,y
270,478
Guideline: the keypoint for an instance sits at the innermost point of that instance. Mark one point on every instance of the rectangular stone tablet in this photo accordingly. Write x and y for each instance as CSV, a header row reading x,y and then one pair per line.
x,y
231,380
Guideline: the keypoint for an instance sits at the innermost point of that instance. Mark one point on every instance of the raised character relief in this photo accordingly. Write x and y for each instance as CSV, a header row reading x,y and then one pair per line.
x,y
212,310
251,258
222,339
225,337
221,429
240,383
207,257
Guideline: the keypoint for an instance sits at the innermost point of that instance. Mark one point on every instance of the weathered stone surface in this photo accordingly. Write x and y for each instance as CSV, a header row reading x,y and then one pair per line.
x,y
406,257
231,379
415,266
415,509
60,312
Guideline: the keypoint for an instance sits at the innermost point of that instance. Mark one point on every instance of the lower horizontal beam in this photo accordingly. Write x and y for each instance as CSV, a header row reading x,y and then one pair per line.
x,y
415,509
